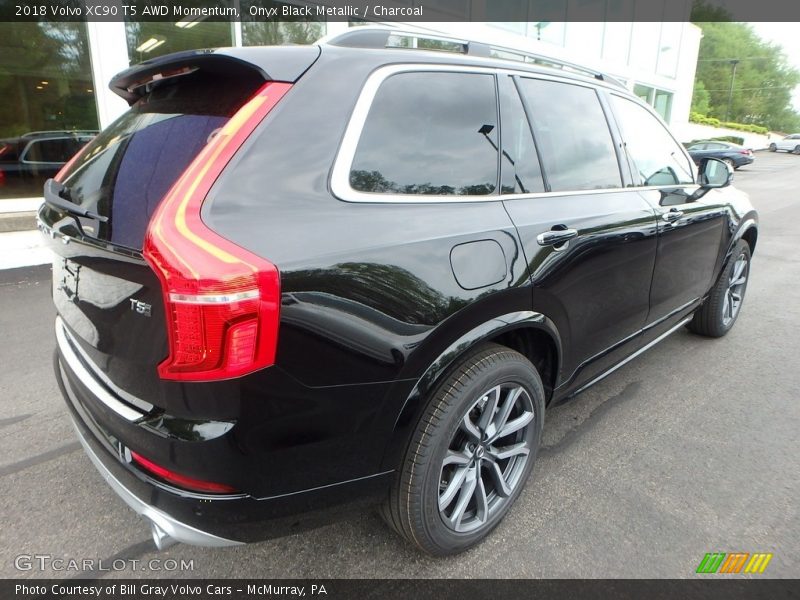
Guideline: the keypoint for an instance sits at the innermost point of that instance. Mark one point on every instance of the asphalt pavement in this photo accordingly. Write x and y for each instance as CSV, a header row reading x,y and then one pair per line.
x,y
691,448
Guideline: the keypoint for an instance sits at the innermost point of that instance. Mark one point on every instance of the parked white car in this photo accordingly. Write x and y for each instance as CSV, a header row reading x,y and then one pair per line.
x,y
791,143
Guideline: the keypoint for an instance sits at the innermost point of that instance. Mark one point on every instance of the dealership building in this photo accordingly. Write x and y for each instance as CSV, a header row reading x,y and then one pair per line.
x,y
54,76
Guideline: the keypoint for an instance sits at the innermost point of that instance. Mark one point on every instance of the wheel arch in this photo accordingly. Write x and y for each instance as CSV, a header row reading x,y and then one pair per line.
x,y
530,333
748,231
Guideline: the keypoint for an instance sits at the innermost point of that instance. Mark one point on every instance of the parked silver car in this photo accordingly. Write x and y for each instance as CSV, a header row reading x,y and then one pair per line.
x,y
791,143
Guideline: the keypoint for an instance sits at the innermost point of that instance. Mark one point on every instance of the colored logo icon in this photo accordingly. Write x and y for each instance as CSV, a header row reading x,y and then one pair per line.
x,y
734,562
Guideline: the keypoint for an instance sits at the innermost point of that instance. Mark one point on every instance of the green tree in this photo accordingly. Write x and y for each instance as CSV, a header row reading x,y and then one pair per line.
x,y
763,81
45,78
700,98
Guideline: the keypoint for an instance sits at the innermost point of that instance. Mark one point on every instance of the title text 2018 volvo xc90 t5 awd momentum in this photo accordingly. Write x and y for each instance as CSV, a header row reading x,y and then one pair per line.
x,y
292,279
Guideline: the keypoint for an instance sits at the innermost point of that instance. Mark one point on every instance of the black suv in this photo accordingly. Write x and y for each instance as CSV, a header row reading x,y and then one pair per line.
x,y
292,280
28,160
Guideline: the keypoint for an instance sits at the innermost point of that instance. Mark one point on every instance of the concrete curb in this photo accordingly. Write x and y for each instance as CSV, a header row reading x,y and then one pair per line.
x,y
18,214
17,221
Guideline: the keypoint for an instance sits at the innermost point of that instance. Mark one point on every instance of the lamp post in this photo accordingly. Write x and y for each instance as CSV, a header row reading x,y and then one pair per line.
x,y
734,62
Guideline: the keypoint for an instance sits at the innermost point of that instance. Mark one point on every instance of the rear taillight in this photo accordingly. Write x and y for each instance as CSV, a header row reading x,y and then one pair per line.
x,y
189,483
221,301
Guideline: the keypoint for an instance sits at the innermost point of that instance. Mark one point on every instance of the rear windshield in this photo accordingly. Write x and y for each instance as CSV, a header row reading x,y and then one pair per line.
x,y
128,168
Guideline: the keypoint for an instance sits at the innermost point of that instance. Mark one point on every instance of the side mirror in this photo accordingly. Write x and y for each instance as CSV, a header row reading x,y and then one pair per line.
x,y
715,173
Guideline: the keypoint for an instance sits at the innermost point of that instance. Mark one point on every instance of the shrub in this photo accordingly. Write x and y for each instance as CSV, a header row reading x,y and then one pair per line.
x,y
695,117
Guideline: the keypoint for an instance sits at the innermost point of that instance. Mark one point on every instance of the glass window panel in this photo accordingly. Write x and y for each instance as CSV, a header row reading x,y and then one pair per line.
x,y
130,166
520,170
148,39
669,47
663,104
616,42
653,152
46,86
429,133
258,32
572,135
644,46
644,92
588,37
552,32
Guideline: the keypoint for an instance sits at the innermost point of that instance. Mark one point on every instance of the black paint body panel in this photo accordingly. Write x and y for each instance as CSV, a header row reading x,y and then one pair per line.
x,y
377,301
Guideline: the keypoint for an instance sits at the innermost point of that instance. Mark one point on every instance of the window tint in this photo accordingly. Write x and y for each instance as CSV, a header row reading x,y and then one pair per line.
x,y
715,146
429,133
520,172
129,167
654,154
572,134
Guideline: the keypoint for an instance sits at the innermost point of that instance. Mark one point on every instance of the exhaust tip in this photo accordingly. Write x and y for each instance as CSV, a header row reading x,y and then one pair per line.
x,y
161,538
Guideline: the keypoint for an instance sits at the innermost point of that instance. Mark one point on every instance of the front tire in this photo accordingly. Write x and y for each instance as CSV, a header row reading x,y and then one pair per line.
x,y
719,312
773,148
471,453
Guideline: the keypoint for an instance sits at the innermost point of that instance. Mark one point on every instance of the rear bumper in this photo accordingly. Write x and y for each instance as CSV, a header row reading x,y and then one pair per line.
x,y
175,529
109,428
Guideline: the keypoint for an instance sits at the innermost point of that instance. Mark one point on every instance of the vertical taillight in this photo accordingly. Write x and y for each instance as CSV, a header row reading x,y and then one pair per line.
x,y
221,301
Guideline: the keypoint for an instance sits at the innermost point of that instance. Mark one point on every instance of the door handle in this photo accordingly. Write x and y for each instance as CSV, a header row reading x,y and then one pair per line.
x,y
673,215
556,237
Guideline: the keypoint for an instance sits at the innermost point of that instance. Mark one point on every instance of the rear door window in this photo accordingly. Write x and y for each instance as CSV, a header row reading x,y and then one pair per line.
x,y
128,168
430,133
572,134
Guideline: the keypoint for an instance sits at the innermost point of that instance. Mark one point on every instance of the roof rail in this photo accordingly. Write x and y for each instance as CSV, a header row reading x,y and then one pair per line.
x,y
387,37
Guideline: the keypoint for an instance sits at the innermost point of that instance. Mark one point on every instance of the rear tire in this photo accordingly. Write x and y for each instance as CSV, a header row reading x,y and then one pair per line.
x,y
471,453
796,150
719,312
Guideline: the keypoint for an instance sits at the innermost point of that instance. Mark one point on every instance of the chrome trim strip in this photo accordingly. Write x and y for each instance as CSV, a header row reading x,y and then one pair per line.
x,y
87,378
129,398
340,175
640,351
171,526
213,298
670,314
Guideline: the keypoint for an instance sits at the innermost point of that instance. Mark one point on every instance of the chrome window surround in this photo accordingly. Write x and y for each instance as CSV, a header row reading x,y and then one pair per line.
x,y
340,175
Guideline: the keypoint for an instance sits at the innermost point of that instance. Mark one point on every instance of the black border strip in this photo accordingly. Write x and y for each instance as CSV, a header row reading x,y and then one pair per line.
x,y
405,10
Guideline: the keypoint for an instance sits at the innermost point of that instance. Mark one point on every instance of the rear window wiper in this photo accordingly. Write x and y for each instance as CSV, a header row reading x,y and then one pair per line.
x,y
53,191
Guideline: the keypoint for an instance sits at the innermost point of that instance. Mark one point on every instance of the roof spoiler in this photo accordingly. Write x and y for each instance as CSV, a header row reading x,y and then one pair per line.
x,y
279,63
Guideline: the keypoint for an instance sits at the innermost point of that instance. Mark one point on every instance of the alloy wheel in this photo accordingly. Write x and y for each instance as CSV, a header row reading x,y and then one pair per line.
x,y
736,286
486,458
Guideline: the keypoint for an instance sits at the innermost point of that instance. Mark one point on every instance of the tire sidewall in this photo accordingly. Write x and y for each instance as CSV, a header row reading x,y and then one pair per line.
x,y
520,372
